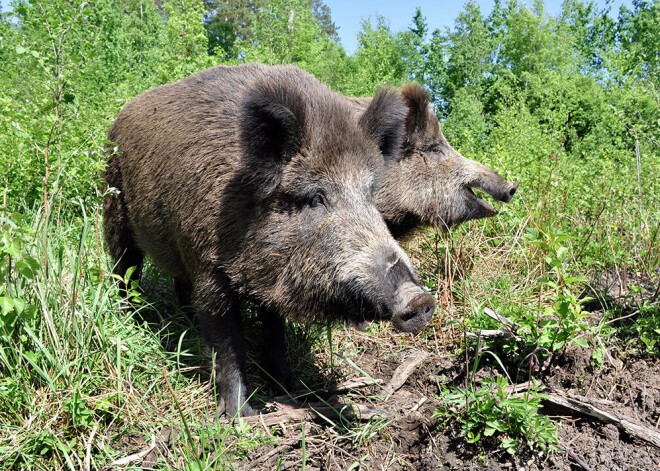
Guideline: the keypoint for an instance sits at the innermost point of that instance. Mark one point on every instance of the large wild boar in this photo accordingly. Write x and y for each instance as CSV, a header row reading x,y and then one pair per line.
x,y
430,183
256,182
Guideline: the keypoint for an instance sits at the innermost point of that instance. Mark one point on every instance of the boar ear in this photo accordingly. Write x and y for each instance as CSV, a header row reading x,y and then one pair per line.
x,y
417,100
383,122
272,121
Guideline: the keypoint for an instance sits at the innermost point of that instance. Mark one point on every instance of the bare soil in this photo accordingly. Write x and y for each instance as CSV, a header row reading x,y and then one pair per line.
x,y
405,434
414,439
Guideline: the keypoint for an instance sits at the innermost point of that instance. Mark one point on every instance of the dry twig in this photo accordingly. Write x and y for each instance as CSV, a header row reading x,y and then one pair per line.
x,y
626,424
310,412
403,372
501,319
136,456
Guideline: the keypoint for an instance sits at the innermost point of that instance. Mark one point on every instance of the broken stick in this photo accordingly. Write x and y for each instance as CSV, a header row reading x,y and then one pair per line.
x,y
490,334
313,411
497,334
627,424
403,372
501,319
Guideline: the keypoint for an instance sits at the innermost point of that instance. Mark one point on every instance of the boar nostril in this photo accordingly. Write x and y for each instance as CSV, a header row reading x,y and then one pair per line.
x,y
513,189
406,317
418,313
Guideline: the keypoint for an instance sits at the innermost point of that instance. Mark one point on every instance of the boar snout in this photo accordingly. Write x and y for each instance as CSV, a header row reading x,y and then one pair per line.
x,y
502,190
496,186
402,299
413,310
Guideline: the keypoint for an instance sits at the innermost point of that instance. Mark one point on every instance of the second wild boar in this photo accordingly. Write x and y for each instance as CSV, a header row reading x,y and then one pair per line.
x,y
431,183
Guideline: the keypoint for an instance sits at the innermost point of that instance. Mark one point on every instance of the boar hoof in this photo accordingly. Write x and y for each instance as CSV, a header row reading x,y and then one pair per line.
x,y
232,411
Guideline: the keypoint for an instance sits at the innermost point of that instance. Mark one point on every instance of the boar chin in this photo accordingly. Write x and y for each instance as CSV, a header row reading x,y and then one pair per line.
x,y
476,208
479,208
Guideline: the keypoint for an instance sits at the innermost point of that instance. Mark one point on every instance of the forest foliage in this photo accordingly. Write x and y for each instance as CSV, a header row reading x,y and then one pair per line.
x,y
514,84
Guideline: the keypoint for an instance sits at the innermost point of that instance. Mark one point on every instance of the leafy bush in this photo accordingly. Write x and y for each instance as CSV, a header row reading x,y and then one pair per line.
x,y
491,411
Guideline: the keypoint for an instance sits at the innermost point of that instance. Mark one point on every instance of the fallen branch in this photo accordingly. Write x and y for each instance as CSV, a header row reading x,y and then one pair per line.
x,y
520,388
136,456
626,424
355,383
313,411
403,372
272,453
501,319
496,334
419,404
490,334
576,458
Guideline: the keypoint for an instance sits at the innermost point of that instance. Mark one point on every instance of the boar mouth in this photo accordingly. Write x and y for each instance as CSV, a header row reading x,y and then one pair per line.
x,y
481,209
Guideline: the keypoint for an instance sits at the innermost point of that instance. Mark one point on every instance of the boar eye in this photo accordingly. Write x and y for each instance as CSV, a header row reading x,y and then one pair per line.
x,y
318,201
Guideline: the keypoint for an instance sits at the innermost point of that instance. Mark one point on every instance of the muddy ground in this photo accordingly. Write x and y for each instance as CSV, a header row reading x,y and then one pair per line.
x,y
414,439
399,429
403,433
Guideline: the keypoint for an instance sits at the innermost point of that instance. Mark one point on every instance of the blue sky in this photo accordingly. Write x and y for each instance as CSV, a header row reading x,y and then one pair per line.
x,y
348,14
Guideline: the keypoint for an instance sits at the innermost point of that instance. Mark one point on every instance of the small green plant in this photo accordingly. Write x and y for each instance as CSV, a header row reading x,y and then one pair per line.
x,y
644,331
17,267
76,407
132,289
562,321
490,410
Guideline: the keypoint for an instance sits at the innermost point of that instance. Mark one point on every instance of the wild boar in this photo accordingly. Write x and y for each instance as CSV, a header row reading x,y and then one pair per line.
x,y
430,183
256,182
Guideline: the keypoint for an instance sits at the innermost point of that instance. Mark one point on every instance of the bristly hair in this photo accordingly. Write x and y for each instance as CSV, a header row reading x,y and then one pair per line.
x,y
383,121
417,100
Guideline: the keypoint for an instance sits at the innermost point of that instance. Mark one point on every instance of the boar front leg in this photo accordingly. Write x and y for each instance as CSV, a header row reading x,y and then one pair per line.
x,y
220,324
273,352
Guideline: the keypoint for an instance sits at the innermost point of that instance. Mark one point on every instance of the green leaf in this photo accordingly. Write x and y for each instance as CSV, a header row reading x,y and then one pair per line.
x,y
562,308
20,49
581,342
24,269
558,345
32,262
510,445
29,312
7,304
13,249
577,279
549,324
495,424
19,305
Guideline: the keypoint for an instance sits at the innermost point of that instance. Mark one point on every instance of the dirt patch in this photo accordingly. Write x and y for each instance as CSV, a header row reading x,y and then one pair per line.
x,y
408,436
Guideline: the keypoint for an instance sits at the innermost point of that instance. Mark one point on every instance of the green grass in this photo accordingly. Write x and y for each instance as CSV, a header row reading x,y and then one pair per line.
x,y
86,380
83,380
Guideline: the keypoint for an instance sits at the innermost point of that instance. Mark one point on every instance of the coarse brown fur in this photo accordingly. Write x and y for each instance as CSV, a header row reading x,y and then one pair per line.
x,y
255,182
